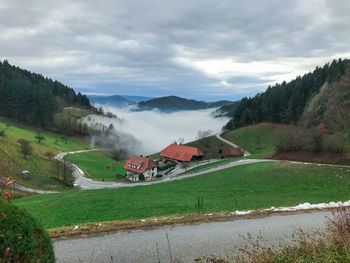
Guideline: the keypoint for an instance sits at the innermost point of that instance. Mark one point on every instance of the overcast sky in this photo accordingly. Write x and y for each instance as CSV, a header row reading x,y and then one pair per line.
x,y
195,49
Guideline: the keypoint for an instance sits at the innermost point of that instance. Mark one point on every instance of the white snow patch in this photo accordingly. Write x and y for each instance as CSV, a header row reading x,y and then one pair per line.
x,y
304,206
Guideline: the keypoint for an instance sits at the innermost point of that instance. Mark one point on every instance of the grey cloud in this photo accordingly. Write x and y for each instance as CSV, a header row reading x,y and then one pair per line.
x,y
107,45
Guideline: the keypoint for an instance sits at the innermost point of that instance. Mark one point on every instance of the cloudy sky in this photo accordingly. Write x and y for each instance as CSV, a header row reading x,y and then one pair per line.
x,y
195,49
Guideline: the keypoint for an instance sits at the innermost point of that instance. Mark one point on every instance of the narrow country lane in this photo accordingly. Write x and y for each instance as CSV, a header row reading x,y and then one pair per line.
x,y
186,242
246,153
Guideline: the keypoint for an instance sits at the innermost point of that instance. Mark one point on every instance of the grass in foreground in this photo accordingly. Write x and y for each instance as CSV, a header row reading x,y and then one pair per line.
x,y
244,187
99,165
259,139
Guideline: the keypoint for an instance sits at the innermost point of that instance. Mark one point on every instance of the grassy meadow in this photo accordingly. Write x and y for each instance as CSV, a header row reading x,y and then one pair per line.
x,y
99,165
259,139
39,164
253,186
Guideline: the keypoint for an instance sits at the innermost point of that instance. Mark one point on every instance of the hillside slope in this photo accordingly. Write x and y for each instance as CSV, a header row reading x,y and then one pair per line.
x,y
289,142
259,139
33,99
44,171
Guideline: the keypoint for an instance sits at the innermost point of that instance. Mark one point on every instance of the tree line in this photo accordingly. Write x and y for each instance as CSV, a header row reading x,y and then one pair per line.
x,y
33,99
285,102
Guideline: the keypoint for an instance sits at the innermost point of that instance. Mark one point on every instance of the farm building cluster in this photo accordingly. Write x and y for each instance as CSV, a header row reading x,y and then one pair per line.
x,y
142,168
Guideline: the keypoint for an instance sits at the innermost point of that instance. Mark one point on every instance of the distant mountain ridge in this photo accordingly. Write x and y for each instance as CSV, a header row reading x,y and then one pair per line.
x,y
118,100
165,104
174,103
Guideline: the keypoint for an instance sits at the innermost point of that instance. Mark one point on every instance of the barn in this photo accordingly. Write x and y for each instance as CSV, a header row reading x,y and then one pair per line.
x,y
181,153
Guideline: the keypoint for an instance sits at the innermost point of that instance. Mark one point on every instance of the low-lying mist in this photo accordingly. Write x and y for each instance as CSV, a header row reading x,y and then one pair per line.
x,y
147,132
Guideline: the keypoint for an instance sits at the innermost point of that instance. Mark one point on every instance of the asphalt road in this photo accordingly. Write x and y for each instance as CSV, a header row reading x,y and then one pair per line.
x,y
186,242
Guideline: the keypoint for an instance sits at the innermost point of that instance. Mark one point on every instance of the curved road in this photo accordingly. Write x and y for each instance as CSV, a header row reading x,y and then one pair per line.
x,y
186,242
85,183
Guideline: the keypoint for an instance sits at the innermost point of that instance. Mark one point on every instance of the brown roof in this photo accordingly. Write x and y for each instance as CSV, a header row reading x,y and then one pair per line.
x,y
139,164
231,151
180,152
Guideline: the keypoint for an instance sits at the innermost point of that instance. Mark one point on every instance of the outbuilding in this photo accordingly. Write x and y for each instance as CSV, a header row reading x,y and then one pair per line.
x,y
230,152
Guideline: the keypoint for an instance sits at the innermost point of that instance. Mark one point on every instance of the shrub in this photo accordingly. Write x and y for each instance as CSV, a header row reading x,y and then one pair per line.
x,y
2,133
284,142
334,143
22,239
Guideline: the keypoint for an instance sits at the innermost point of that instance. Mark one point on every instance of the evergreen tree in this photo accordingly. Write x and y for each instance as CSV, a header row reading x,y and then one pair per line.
x,y
285,102
33,99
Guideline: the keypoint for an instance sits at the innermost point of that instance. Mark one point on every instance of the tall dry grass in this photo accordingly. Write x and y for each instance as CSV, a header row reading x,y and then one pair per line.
x,y
328,246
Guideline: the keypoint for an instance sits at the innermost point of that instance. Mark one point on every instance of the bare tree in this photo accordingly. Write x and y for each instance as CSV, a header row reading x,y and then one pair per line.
x,y
49,155
205,136
180,140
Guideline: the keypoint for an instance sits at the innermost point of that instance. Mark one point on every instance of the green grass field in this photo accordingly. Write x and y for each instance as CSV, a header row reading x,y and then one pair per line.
x,y
41,168
209,165
99,165
259,139
254,186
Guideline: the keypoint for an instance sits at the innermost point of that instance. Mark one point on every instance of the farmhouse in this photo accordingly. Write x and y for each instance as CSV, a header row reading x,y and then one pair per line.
x,y
140,168
230,152
181,153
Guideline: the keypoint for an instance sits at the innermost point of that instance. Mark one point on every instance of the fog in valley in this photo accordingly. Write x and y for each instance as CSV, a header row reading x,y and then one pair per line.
x,y
147,132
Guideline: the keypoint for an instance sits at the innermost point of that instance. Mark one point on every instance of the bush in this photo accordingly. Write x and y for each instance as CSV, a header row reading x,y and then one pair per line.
x,y
22,239
166,166
334,143
2,133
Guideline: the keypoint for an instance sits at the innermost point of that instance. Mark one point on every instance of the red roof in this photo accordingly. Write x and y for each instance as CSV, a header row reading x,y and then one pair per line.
x,y
231,151
139,164
180,152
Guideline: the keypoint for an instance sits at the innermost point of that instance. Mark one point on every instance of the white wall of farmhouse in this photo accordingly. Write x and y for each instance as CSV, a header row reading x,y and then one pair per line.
x,y
148,173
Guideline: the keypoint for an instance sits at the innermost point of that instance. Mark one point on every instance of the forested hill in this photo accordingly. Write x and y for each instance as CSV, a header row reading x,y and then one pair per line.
x,y
285,102
174,103
33,99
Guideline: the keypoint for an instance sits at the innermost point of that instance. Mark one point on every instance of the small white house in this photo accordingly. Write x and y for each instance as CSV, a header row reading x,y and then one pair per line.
x,y
140,167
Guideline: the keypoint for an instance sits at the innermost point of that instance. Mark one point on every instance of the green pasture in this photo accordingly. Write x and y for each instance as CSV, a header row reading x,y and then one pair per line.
x,y
253,186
